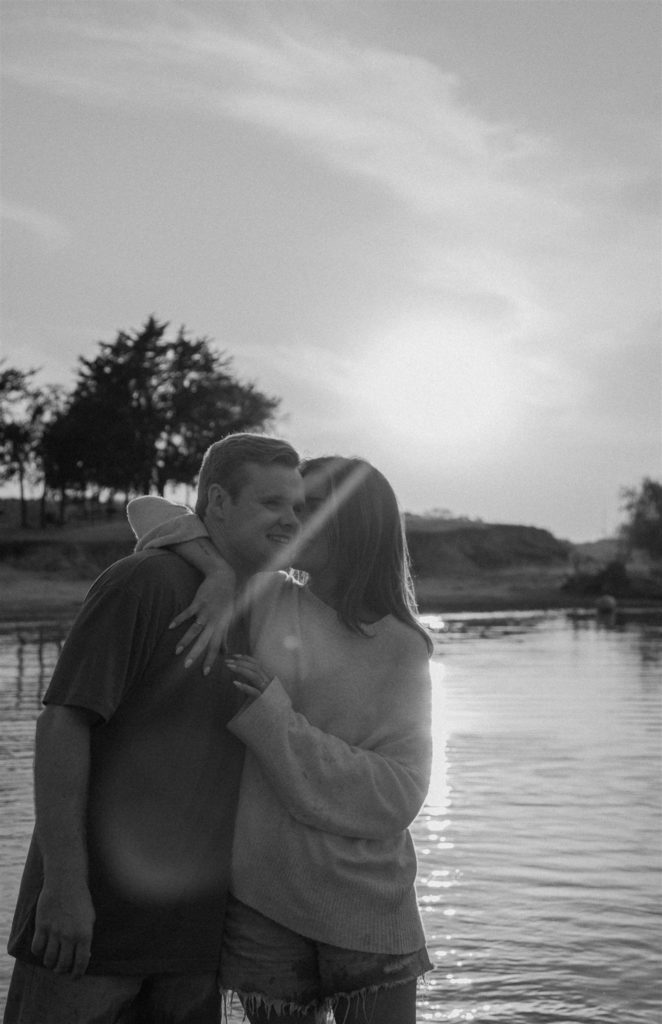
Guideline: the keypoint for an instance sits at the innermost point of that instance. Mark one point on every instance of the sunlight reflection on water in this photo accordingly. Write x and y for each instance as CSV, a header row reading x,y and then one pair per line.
x,y
539,844
539,848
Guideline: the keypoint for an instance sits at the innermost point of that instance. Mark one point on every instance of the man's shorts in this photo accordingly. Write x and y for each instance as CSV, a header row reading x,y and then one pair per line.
x,y
39,996
269,966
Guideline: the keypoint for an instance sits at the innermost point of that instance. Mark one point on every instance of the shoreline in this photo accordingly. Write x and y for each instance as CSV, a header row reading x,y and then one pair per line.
x,y
37,597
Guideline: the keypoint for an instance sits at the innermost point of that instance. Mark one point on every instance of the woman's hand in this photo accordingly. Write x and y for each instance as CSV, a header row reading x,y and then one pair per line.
x,y
255,680
213,607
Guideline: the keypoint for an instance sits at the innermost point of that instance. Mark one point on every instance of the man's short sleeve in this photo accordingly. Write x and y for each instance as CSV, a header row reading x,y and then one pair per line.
x,y
110,643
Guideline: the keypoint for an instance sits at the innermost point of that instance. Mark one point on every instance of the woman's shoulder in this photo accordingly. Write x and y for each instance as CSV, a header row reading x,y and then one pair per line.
x,y
270,586
408,643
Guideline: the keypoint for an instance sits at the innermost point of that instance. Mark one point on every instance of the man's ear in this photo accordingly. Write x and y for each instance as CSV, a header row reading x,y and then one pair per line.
x,y
218,500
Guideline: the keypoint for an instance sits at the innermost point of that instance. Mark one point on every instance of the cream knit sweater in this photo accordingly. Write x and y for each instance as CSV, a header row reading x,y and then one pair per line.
x,y
337,766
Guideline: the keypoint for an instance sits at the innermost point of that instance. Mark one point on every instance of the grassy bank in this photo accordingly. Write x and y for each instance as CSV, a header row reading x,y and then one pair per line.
x,y
45,574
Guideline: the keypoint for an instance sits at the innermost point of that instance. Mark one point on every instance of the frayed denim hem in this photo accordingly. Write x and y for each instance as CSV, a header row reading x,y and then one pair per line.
x,y
253,1001
323,1011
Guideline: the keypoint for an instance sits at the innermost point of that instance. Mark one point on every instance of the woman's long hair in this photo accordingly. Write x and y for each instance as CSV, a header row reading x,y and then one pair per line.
x,y
367,541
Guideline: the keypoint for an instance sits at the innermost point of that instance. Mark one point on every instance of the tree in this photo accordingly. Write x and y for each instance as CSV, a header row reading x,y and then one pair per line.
x,y
644,508
64,438
20,410
144,411
25,413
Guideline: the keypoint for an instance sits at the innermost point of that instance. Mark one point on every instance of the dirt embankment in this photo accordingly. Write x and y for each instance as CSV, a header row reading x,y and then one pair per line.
x,y
467,566
483,548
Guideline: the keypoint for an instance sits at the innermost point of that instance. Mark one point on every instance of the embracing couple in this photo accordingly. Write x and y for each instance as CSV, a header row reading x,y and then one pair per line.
x,y
235,822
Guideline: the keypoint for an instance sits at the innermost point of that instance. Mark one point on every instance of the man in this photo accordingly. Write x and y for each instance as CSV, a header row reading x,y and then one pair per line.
x,y
120,912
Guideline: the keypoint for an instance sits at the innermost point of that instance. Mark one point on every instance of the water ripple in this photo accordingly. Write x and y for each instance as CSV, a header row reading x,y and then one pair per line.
x,y
539,846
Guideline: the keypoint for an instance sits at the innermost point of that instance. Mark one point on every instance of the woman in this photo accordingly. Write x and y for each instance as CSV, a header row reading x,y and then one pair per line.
x,y
323,916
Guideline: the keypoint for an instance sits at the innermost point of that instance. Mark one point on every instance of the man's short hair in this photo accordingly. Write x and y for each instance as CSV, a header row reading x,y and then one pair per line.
x,y
225,463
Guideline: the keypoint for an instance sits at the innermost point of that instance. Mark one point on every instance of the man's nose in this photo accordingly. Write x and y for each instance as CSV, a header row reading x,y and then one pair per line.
x,y
289,517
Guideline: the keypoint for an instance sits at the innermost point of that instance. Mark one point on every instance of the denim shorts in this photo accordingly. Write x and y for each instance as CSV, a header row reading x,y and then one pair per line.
x,y
269,966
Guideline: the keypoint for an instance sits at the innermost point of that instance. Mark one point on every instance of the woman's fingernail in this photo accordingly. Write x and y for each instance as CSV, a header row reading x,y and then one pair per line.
x,y
188,662
206,671
178,650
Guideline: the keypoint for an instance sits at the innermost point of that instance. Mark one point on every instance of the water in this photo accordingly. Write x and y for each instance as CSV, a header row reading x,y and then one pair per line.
x,y
540,846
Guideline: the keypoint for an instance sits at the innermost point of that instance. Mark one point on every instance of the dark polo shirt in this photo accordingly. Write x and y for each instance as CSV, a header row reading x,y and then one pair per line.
x,y
164,776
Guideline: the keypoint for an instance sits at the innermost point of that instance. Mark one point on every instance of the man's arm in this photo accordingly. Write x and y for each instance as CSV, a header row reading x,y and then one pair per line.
x,y
65,914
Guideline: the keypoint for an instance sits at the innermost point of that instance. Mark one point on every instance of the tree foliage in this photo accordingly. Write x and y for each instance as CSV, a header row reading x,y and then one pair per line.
x,y
20,428
643,505
145,409
141,415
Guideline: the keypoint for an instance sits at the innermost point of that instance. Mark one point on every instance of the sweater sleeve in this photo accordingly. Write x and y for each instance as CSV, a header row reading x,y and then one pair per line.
x,y
158,523
324,782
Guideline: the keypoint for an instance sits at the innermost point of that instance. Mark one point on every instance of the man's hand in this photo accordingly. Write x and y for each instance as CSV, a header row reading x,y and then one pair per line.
x,y
63,929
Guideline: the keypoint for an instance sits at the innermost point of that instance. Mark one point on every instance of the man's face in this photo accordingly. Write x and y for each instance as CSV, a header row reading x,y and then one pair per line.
x,y
256,530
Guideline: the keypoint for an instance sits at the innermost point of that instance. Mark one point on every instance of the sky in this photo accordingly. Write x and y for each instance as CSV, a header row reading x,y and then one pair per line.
x,y
432,228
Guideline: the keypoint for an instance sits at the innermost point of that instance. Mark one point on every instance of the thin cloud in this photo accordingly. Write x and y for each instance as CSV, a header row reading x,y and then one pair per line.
x,y
48,230
498,275
391,118
487,196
